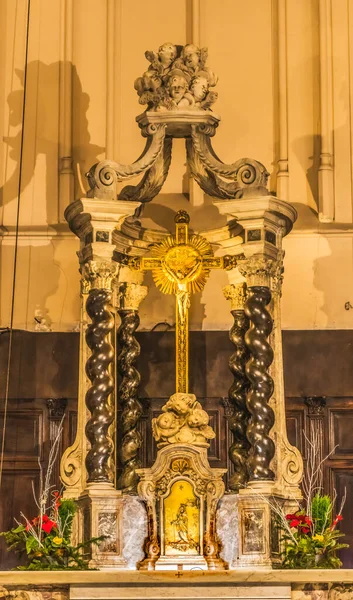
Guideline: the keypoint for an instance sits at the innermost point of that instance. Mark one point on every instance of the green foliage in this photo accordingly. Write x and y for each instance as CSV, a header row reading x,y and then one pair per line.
x,y
312,542
47,540
321,512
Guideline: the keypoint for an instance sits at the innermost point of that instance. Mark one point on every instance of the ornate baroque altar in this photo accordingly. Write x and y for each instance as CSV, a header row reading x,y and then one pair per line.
x,y
176,514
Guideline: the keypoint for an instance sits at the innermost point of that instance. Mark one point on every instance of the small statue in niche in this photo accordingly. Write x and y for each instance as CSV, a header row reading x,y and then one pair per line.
x,y
183,421
177,79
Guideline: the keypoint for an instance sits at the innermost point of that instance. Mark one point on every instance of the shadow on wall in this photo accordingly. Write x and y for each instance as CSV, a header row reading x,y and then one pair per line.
x,y
41,131
330,268
301,147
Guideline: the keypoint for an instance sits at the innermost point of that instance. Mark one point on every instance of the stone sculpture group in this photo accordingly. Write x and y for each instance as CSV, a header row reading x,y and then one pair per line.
x,y
177,79
182,421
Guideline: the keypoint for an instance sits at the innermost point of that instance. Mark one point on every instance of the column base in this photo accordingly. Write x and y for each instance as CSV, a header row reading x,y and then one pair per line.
x,y
100,513
259,543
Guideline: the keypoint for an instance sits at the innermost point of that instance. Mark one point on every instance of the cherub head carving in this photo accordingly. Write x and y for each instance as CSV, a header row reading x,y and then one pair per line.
x,y
165,86
191,55
183,421
167,53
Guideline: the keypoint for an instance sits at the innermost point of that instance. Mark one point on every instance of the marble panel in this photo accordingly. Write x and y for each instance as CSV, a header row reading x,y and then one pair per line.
x,y
134,528
228,528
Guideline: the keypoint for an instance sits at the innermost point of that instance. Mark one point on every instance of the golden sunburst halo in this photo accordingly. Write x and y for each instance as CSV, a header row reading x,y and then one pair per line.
x,y
181,264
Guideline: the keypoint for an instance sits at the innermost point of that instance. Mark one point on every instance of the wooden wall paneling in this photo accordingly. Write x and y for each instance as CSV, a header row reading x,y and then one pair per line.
x,y
16,490
340,477
31,427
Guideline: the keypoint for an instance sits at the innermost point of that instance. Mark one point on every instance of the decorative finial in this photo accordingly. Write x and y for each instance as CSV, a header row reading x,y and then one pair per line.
x,y
182,217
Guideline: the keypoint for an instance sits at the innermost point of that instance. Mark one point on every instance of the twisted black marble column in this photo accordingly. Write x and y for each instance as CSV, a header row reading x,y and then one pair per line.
x,y
131,441
99,458
261,384
238,420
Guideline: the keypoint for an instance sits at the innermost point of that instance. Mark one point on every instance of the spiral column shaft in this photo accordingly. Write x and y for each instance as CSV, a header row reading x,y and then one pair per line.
x,y
130,296
261,384
238,414
99,460
132,409
238,421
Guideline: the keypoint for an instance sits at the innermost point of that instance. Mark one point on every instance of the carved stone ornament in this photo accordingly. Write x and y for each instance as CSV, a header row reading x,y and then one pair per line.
x,y
183,420
316,405
258,270
130,295
177,88
56,408
100,274
236,294
181,493
177,79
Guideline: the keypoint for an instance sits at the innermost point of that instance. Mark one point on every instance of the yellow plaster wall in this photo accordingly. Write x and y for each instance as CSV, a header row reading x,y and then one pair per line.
x,y
267,55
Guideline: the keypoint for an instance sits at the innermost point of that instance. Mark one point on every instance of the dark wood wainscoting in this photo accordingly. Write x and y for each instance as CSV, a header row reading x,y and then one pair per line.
x,y
335,418
45,365
31,427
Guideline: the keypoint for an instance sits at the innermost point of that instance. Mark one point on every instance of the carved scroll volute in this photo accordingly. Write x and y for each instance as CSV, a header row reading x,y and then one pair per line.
x,y
237,412
245,176
214,491
99,397
152,549
129,297
104,176
72,467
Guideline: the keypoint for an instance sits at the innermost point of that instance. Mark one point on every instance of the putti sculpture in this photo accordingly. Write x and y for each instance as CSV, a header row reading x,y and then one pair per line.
x,y
177,79
177,89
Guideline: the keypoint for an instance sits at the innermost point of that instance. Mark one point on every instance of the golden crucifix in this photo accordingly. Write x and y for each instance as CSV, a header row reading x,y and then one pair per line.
x,y
180,265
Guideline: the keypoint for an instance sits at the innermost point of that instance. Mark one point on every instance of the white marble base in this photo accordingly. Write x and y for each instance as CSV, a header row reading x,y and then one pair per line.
x,y
134,530
177,591
227,525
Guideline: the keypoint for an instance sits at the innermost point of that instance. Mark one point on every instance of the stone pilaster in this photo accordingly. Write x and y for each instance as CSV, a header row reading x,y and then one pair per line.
x,y
129,296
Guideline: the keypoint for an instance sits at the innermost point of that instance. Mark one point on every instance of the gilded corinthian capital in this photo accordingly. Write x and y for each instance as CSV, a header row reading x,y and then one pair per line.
x,y
100,274
130,295
258,270
236,293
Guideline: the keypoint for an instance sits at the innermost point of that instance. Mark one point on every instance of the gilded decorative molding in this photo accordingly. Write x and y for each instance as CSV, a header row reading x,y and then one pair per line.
x,y
99,274
181,463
